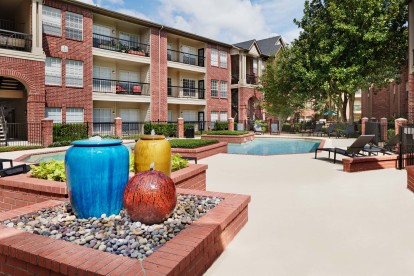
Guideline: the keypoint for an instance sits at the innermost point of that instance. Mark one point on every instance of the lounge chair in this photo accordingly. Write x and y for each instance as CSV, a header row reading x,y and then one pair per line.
x,y
388,148
258,128
348,131
352,151
318,130
330,130
274,128
15,170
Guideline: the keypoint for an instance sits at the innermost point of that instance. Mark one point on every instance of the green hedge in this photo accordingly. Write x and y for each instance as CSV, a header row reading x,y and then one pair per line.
x,y
17,148
191,143
188,126
69,132
221,126
161,129
226,132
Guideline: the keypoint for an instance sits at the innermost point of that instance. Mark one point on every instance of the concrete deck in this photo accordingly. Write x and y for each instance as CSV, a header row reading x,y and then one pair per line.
x,y
307,217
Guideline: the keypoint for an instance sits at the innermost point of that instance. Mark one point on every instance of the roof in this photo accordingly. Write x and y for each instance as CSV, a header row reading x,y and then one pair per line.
x,y
149,24
246,45
268,46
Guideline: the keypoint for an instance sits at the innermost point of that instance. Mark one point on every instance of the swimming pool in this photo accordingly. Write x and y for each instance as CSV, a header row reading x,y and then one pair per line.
x,y
274,146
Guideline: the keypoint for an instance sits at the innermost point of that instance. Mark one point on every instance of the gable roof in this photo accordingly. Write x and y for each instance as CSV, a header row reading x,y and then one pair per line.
x,y
270,46
246,45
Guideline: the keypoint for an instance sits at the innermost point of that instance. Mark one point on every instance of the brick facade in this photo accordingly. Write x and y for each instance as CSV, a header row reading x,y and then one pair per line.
x,y
245,94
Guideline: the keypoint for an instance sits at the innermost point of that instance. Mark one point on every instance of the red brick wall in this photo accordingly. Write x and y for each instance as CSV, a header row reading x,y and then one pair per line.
x,y
192,177
410,97
220,74
237,139
245,93
202,152
159,74
63,96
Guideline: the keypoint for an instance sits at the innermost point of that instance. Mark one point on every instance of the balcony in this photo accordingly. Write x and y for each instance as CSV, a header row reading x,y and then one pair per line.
x,y
186,92
234,78
121,87
120,45
185,58
10,39
251,79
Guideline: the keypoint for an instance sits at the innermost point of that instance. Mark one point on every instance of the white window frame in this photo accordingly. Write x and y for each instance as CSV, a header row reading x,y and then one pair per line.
x,y
51,21
214,116
223,116
53,71
189,115
223,89
214,57
127,113
74,73
214,88
54,113
74,115
74,26
188,54
189,87
223,59
98,119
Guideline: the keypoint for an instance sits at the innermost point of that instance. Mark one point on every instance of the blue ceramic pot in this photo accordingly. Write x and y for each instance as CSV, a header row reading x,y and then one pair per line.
x,y
96,176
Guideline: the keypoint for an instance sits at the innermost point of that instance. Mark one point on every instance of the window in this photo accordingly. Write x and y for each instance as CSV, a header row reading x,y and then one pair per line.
x,y
170,115
214,88
189,88
223,59
74,26
130,40
102,115
255,66
189,55
223,89
51,21
54,113
214,116
214,57
102,79
53,71
169,87
223,116
74,115
129,115
74,73
189,116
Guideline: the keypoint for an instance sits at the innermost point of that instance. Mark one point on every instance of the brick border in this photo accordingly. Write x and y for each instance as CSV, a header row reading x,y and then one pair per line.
x,y
192,251
236,139
202,152
360,164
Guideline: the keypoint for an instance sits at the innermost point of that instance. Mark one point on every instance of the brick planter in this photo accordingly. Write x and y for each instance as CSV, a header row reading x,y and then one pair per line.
x,y
191,252
368,163
202,152
410,177
235,139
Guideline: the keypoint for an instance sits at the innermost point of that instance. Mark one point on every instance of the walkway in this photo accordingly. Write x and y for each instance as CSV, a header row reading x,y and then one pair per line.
x,y
307,217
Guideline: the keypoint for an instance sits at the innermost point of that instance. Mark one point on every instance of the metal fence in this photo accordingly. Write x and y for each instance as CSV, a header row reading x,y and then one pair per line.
x,y
132,128
374,128
21,134
406,146
103,129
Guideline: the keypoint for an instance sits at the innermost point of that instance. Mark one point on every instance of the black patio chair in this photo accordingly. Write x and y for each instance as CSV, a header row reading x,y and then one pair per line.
x,y
330,130
389,148
19,169
347,132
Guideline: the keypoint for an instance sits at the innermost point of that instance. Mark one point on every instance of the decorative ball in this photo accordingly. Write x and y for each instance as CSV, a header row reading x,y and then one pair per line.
x,y
150,197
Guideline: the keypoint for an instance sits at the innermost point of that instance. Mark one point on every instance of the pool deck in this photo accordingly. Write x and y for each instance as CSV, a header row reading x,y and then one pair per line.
x,y
308,217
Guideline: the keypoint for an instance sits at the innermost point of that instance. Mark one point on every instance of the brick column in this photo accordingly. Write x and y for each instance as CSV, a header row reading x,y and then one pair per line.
x,y
363,121
230,122
269,125
118,127
399,122
384,128
180,127
47,132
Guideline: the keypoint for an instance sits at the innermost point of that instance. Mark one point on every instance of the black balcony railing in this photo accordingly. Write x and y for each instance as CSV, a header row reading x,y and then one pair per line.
x,y
15,40
120,87
251,79
185,92
234,78
186,58
120,45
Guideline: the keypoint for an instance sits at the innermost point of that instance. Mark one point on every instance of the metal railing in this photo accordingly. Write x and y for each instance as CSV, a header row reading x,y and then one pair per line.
x,y
103,129
120,45
185,92
121,87
22,134
251,79
185,58
235,78
406,146
132,128
15,40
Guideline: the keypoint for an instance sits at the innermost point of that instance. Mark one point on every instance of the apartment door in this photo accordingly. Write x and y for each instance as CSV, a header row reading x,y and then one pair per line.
x,y
130,119
201,57
102,121
201,89
128,80
200,121
102,79
102,36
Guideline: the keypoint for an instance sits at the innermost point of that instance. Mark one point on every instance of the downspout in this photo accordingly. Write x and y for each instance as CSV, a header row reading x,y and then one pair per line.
x,y
159,72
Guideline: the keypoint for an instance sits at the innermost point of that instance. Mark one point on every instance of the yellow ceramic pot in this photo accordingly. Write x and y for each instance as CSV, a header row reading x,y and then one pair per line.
x,y
152,149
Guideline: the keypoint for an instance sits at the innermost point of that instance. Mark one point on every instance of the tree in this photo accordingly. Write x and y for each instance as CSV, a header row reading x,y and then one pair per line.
x,y
346,45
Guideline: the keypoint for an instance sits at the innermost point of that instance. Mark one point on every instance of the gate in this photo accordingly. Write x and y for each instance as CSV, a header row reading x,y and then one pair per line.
x,y
406,146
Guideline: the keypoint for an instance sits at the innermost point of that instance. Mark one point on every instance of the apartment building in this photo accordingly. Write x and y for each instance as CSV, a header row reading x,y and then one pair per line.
x,y
248,64
75,62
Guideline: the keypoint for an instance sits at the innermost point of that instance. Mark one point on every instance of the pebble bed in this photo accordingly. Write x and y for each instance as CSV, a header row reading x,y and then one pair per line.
x,y
115,234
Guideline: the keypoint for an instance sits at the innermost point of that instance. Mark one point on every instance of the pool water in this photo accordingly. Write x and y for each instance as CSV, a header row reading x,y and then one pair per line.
x,y
274,146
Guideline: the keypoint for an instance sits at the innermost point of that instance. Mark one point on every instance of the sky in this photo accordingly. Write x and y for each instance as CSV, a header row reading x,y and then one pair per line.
x,y
229,21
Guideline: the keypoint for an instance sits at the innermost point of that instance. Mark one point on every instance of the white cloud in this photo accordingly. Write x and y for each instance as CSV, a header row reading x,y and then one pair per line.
x,y
225,20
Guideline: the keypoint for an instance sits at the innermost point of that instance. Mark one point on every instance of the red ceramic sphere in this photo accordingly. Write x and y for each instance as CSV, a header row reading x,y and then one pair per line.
x,y
150,197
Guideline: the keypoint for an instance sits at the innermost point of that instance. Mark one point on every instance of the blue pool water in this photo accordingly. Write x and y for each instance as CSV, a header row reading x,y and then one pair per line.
x,y
274,146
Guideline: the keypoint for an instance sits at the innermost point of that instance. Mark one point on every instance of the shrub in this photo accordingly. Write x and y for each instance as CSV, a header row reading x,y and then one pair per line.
x,y
188,126
221,126
59,144
226,132
161,129
262,124
390,134
178,163
17,148
69,132
191,143
51,170
286,127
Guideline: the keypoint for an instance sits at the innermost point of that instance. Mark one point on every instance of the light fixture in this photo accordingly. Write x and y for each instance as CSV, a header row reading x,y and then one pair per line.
x,y
113,71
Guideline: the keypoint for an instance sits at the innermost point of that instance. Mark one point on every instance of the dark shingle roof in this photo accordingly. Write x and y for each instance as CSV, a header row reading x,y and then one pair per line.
x,y
246,45
268,46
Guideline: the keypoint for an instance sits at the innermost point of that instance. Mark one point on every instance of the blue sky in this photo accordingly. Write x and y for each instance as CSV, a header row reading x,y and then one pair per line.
x,y
229,21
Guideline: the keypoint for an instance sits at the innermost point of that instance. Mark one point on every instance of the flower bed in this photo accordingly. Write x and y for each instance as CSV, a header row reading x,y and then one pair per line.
x,y
237,139
202,152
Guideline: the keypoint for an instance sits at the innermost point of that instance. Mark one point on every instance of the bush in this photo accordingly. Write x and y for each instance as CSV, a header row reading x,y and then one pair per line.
x,y
286,127
69,132
161,129
191,143
178,163
226,132
59,144
17,148
51,170
390,134
188,126
221,126
262,124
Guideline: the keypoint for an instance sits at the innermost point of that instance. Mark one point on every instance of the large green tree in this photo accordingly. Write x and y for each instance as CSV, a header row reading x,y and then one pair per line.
x,y
344,45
